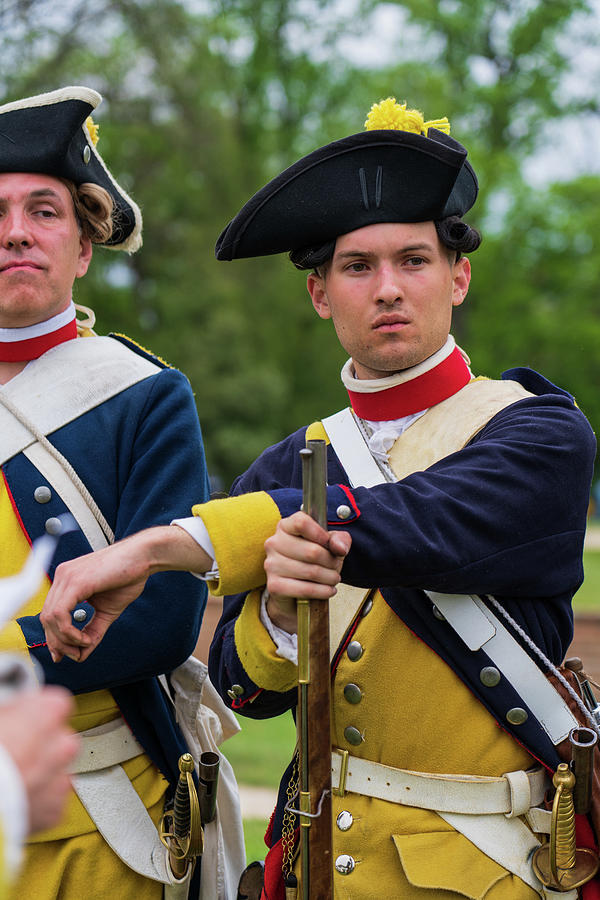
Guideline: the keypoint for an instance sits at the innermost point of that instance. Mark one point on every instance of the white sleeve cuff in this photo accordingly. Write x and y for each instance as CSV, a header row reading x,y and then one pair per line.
x,y
286,644
14,812
196,528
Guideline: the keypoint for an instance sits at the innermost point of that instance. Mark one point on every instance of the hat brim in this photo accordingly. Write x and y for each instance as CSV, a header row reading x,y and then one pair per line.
x,y
371,177
47,134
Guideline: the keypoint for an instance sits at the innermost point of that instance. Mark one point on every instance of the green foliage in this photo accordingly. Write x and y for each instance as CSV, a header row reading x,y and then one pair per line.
x,y
203,102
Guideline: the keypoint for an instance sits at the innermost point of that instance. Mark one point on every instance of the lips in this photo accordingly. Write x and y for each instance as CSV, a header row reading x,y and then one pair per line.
x,y
389,322
15,265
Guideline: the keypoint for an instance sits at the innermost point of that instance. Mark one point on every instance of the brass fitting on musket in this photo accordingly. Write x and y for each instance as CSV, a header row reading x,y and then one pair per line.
x,y
560,864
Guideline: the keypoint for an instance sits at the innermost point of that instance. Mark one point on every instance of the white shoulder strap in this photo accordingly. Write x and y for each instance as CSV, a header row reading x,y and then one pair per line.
x,y
351,449
480,629
65,383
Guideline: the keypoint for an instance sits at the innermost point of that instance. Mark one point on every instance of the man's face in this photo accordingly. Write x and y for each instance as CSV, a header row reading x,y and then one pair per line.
x,y
390,289
41,249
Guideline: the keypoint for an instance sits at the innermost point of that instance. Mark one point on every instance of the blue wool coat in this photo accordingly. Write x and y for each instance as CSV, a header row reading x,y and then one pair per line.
x,y
505,516
140,454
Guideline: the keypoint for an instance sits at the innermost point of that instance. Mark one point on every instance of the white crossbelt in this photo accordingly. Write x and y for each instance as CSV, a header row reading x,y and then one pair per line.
x,y
511,794
106,745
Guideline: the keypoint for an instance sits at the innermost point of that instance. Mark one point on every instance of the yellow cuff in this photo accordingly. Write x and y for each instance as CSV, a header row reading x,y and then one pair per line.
x,y
256,650
238,528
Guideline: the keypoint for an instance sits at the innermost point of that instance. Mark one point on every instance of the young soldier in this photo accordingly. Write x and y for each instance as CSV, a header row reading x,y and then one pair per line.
x,y
457,492
90,424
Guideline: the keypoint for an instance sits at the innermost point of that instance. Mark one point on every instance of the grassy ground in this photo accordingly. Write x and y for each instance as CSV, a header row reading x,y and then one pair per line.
x,y
587,598
263,749
259,755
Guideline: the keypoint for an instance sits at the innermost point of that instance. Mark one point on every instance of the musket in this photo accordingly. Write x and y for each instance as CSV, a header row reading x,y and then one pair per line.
x,y
314,705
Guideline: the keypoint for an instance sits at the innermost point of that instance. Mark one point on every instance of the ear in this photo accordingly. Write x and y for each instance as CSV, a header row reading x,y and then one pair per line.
x,y
461,278
85,255
318,294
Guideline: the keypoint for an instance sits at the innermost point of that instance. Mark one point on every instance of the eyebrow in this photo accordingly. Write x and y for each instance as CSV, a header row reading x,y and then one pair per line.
x,y
412,248
40,194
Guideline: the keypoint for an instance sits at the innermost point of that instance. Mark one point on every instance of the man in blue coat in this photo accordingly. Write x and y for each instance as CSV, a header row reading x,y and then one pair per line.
x,y
456,509
90,425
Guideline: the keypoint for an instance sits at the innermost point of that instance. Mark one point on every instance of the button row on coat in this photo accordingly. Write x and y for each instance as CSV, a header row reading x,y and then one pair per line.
x,y
490,677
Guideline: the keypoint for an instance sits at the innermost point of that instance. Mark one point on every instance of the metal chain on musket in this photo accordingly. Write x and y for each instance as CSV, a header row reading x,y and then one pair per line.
x,y
288,831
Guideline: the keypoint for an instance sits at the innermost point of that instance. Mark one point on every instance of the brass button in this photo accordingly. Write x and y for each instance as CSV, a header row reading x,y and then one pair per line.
x,y
367,607
80,615
87,154
352,693
344,820
42,494
343,511
353,735
354,650
438,613
490,676
344,864
516,716
53,525
235,691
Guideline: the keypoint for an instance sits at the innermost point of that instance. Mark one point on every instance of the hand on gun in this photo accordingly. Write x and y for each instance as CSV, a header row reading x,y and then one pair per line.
x,y
302,560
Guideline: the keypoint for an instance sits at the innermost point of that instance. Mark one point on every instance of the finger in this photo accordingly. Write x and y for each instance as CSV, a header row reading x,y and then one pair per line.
x,y
301,571
302,525
291,587
300,549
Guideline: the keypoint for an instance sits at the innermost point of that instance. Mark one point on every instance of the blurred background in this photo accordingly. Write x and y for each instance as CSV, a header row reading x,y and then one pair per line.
x,y
205,100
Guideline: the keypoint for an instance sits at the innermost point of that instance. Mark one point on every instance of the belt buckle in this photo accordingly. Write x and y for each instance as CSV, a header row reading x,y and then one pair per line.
x,y
340,790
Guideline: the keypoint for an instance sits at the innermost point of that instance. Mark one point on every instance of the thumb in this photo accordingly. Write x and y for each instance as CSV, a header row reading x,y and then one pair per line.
x,y
340,542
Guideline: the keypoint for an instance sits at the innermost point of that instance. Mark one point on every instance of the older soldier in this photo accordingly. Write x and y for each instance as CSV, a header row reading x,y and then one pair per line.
x,y
465,499
92,425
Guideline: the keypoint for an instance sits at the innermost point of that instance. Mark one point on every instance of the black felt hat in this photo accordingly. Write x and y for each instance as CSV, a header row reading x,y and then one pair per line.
x,y
48,134
376,176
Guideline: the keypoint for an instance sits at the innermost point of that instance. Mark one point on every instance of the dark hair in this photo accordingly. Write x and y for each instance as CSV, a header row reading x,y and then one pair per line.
x,y
453,233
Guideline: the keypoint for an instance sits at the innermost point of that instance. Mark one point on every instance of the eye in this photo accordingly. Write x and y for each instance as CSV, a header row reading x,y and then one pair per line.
x,y
45,213
356,267
415,261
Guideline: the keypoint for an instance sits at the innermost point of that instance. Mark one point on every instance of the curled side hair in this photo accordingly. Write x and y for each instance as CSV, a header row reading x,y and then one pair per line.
x,y
457,235
94,209
453,233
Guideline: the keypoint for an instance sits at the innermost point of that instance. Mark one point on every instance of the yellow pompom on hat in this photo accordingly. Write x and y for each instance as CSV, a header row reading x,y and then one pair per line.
x,y
402,168
389,114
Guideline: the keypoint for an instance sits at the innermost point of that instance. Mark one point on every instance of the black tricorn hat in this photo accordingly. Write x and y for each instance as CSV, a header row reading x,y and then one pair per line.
x,y
375,176
48,134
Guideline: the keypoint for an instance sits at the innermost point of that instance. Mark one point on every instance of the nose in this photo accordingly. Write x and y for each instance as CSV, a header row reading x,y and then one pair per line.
x,y
14,231
388,286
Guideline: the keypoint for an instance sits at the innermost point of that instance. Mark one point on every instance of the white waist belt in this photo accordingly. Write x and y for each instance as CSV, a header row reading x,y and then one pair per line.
x,y
106,745
512,794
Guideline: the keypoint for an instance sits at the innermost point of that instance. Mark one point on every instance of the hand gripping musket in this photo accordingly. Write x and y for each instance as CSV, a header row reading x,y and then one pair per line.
x,y
181,828
314,706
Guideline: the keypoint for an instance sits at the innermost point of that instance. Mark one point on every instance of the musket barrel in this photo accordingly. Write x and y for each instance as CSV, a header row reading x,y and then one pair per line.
x,y
583,744
208,779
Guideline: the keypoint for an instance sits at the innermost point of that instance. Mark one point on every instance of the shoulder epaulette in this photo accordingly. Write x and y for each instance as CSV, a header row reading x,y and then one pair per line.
x,y
141,351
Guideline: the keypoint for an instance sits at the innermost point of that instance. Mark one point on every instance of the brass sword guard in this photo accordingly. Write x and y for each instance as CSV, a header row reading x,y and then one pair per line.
x,y
559,864
180,829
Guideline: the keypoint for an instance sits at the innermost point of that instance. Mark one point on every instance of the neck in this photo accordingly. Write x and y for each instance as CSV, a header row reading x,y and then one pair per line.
x,y
8,370
20,345
410,391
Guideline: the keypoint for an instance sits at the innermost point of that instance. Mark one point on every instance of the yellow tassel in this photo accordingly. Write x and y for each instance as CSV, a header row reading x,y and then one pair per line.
x,y
93,130
388,114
